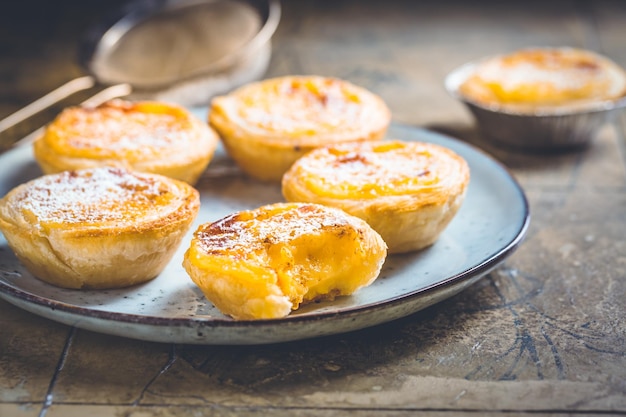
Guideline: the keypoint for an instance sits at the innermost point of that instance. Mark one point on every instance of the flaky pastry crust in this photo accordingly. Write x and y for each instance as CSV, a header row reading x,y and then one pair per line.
x,y
144,136
266,126
97,228
407,191
539,78
264,263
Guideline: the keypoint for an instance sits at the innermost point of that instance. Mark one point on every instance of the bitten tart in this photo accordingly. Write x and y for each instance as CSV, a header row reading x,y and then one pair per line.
x,y
535,79
266,126
145,136
97,228
264,263
407,191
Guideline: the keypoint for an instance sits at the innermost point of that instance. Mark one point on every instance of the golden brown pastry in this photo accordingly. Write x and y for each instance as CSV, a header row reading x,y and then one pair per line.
x,y
145,136
97,228
263,263
266,126
407,191
531,79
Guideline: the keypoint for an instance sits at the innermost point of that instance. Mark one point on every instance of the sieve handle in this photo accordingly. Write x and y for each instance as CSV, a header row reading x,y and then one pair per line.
x,y
66,90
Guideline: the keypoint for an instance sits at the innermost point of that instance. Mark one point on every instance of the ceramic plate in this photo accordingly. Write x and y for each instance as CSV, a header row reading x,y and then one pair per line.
x,y
489,226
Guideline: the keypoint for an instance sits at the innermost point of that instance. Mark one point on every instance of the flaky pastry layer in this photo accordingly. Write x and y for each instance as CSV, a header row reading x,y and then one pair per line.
x,y
145,136
267,125
407,191
97,228
264,263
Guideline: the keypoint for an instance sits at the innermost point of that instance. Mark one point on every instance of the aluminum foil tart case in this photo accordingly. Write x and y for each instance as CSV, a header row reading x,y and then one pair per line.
x,y
548,130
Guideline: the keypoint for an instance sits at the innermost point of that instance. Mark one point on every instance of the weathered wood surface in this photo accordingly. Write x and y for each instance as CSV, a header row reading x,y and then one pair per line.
x,y
544,333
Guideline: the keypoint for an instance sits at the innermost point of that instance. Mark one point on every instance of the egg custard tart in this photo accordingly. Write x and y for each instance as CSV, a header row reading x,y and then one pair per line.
x,y
97,228
407,191
264,263
537,79
266,126
145,136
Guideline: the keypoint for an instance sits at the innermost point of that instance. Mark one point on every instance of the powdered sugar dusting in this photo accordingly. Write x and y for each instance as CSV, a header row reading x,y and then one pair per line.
x,y
511,77
131,132
307,106
248,231
97,196
372,169
121,129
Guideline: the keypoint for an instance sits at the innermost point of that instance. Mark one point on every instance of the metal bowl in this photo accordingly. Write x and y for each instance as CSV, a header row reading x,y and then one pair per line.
x,y
543,130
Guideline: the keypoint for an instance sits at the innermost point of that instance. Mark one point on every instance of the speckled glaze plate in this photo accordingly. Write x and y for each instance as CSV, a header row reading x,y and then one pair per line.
x,y
489,227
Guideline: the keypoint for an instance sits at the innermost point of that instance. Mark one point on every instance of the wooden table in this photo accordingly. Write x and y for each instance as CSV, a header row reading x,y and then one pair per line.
x,y
543,334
